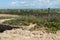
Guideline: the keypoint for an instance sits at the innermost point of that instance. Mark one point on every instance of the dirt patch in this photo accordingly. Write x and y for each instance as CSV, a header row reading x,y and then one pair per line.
x,y
7,15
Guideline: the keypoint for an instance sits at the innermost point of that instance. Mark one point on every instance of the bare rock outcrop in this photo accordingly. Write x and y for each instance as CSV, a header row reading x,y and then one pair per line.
x,y
19,34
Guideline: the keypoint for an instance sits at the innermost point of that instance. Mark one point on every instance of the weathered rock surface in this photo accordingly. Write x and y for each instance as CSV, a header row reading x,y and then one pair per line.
x,y
19,34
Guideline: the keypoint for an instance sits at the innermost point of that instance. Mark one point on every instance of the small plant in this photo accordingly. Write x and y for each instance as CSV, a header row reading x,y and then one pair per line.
x,y
25,23
52,30
39,22
11,22
53,25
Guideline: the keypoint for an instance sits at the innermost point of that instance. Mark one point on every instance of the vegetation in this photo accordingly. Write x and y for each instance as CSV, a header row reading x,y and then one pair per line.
x,y
2,17
29,11
52,25
43,18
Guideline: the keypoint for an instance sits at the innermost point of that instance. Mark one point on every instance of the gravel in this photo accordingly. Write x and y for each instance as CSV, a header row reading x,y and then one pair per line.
x,y
19,34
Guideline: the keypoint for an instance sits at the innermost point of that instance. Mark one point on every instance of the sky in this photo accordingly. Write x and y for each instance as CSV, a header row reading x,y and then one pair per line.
x,y
26,4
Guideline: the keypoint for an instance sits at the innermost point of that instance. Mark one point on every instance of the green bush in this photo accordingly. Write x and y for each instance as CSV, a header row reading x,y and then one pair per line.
x,y
52,30
52,25
12,22
39,22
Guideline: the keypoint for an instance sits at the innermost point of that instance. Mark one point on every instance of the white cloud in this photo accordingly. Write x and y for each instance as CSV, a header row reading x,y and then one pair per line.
x,y
13,3
40,3
23,2
49,3
54,4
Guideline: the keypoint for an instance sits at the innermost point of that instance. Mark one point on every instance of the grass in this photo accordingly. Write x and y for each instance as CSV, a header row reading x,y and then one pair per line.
x,y
52,25
3,17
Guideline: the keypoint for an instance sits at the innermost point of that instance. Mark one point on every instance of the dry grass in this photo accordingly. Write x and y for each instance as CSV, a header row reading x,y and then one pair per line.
x,y
7,15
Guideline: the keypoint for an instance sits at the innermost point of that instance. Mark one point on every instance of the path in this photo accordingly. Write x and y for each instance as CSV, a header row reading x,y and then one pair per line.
x,y
2,20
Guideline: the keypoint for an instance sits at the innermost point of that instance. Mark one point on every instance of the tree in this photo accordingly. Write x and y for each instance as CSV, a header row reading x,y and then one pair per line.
x,y
48,10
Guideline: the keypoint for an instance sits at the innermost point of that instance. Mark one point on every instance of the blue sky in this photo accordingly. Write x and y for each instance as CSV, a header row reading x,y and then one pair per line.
x,y
19,4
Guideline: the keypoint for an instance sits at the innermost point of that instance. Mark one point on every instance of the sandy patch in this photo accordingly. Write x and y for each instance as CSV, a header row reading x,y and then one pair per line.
x,y
7,15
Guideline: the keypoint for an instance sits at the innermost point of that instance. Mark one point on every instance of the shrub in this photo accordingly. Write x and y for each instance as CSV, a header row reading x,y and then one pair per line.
x,y
12,22
53,25
52,30
39,22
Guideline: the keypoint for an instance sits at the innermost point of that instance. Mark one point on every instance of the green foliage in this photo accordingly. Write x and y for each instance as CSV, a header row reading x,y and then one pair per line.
x,y
25,23
12,22
52,30
42,18
53,25
39,22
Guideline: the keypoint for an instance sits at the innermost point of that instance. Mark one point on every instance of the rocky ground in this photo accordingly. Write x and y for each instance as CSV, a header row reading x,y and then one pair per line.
x,y
19,34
